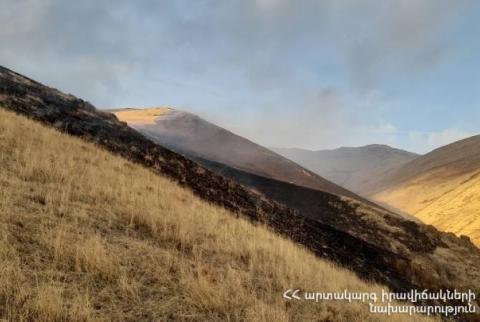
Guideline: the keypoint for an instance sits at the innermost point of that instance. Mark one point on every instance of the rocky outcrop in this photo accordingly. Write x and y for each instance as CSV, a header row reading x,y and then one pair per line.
x,y
376,244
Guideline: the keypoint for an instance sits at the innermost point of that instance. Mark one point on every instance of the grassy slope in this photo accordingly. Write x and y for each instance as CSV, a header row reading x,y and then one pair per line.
x,y
441,188
85,235
448,201
457,211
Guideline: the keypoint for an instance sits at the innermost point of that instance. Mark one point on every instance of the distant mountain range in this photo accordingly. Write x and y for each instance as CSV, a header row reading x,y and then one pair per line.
x,y
358,169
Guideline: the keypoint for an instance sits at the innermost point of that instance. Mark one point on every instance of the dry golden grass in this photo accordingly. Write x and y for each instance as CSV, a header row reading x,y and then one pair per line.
x,y
88,236
457,211
449,202
141,116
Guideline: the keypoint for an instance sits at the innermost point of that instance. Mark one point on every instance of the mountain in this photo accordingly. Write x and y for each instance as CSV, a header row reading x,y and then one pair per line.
x,y
372,242
77,245
358,169
441,188
193,136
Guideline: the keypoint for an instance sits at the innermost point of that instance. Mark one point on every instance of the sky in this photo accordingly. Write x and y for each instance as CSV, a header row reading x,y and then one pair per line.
x,y
285,73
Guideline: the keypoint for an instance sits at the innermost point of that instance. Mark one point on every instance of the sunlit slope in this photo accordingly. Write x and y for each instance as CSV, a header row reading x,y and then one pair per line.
x,y
140,116
441,188
457,211
85,235
451,205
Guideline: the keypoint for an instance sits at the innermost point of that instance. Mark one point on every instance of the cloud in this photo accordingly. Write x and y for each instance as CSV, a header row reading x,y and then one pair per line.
x,y
393,38
73,46
299,72
268,4
327,118
257,41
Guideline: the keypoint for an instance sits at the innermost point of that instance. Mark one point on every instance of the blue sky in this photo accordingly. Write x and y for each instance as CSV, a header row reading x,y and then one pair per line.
x,y
310,74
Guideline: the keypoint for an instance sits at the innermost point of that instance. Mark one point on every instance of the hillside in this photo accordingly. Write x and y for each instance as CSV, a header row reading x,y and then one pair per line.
x,y
195,137
86,235
371,241
313,203
358,169
441,188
